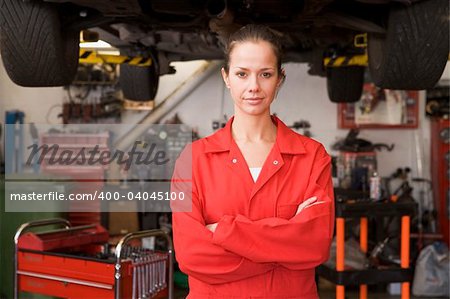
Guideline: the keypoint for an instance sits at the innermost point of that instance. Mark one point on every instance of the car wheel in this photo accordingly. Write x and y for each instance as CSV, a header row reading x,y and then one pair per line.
x,y
345,84
413,52
139,83
35,50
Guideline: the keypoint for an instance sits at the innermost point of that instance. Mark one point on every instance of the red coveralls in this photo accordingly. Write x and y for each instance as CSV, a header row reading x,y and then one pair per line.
x,y
259,249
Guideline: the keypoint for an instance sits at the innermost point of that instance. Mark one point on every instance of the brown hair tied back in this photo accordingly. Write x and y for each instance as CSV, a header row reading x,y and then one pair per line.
x,y
254,33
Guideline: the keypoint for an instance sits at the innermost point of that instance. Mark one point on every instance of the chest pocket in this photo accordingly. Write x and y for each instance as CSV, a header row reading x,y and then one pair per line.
x,y
286,211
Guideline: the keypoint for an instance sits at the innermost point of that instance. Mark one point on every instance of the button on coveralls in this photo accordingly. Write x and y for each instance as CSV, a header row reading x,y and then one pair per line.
x,y
260,248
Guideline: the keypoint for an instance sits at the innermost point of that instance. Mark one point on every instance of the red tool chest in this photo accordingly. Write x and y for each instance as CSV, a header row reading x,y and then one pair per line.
x,y
76,262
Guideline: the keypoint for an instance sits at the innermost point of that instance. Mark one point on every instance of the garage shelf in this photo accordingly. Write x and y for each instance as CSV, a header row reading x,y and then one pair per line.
x,y
360,277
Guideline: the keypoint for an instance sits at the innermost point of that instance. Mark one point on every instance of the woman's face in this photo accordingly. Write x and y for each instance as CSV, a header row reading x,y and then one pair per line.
x,y
253,77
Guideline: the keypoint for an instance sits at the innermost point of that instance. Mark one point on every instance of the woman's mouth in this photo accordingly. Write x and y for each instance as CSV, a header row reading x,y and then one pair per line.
x,y
253,101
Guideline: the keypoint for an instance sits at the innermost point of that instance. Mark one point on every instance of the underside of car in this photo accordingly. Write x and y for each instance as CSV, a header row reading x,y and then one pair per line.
x,y
406,42
188,30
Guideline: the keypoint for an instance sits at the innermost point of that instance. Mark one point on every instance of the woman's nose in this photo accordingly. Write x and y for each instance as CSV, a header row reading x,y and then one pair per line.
x,y
253,84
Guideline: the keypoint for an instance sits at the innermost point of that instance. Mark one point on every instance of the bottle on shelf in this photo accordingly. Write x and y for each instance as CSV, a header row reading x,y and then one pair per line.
x,y
375,187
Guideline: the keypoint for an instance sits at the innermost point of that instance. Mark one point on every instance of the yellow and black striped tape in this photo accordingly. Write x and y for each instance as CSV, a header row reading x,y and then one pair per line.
x,y
93,57
340,61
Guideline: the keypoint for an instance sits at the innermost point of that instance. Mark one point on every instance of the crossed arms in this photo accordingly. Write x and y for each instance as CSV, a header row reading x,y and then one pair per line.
x,y
237,247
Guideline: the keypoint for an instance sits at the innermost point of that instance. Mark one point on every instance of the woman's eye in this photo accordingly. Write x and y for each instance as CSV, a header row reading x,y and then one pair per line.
x,y
240,74
266,75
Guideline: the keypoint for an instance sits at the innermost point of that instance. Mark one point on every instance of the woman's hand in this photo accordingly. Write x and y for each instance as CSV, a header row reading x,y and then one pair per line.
x,y
212,227
305,204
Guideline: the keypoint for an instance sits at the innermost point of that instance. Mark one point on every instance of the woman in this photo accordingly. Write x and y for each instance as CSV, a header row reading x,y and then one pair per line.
x,y
262,210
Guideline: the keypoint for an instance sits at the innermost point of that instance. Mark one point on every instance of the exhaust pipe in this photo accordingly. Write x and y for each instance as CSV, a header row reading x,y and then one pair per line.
x,y
217,8
222,20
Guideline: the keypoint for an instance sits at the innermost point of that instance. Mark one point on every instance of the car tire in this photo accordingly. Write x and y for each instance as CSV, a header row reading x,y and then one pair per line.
x,y
35,50
139,83
345,84
413,52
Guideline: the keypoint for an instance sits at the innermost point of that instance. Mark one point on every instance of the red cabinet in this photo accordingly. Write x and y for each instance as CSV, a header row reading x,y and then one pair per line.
x,y
440,170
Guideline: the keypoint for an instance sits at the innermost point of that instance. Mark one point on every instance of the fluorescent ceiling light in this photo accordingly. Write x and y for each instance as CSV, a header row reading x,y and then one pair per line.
x,y
97,45
100,47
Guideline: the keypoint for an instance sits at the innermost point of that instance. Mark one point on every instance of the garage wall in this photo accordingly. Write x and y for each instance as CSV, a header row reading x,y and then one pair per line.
x,y
302,97
35,102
